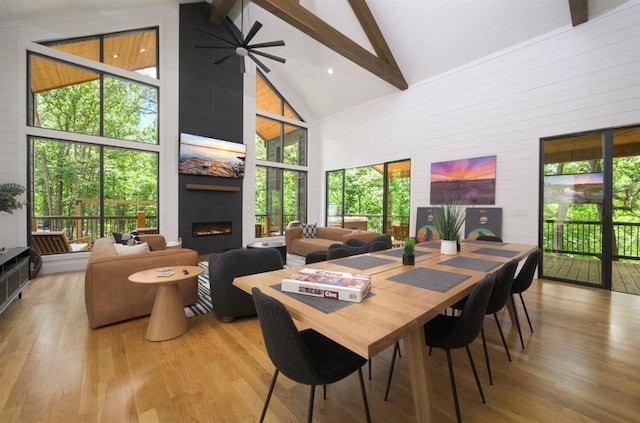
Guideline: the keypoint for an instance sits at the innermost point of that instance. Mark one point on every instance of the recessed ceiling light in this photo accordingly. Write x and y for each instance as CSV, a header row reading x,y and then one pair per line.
x,y
115,56
330,71
142,50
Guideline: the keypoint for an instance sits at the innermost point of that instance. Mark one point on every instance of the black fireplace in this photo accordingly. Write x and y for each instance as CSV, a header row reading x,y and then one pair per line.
x,y
210,228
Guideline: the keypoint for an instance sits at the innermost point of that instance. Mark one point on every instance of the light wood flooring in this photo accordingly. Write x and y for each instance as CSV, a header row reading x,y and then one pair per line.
x,y
582,364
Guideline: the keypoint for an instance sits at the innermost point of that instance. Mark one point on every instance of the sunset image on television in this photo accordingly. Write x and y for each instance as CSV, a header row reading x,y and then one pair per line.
x,y
468,181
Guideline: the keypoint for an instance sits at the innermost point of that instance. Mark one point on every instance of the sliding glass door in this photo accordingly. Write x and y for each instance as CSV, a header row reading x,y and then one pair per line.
x,y
590,208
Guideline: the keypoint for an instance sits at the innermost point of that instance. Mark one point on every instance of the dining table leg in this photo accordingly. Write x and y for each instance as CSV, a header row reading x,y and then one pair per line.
x,y
418,366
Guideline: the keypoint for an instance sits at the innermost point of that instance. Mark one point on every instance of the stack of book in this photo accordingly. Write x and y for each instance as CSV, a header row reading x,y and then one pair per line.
x,y
328,284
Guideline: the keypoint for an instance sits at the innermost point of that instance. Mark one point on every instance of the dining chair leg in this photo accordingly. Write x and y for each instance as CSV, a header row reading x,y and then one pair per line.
x,y
515,314
475,373
396,350
324,392
526,312
486,356
504,341
364,396
453,386
266,401
369,361
311,397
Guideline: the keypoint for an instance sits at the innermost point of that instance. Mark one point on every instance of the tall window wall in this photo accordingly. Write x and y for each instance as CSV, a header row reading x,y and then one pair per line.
x,y
281,162
93,134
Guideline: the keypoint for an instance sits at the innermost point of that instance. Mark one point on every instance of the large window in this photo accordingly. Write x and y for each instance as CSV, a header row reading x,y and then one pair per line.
x,y
85,180
374,198
281,157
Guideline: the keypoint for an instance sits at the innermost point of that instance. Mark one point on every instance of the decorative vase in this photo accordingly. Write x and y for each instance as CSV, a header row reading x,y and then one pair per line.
x,y
448,247
409,259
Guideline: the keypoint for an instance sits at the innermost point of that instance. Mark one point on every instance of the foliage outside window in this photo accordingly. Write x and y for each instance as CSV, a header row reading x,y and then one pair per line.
x,y
96,187
375,198
281,149
92,103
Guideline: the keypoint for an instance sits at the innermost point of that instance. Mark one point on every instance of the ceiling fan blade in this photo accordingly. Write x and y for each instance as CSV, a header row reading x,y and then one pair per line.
x,y
230,47
231,29
217,62
259,63
252,32
269,56
267,44
215,36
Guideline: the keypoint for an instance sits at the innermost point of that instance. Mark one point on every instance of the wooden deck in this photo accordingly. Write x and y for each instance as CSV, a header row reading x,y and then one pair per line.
x,y
626,276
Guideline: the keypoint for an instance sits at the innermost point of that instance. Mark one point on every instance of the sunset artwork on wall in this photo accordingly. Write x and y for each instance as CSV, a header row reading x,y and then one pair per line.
x,y
467,181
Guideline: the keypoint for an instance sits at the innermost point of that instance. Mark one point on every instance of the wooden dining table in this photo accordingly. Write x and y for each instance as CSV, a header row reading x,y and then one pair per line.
x,y
402,299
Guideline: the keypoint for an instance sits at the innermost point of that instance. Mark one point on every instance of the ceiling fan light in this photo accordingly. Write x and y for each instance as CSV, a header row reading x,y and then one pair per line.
x,y
241,51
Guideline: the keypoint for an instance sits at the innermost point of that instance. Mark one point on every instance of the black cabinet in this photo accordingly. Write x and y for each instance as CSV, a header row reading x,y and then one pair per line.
x,y
14,274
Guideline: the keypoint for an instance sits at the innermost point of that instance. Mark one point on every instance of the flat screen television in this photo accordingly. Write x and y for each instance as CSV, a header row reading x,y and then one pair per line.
x,y
211,157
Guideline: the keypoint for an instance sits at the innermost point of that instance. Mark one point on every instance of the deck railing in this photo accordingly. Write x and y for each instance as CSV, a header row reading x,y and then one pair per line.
x,y
585,238
81,226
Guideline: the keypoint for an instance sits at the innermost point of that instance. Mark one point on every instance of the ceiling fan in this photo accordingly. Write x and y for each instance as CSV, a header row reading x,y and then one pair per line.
x,y
239,44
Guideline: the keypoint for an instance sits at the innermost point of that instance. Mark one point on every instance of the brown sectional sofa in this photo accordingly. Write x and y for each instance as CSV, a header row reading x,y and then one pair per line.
x,y
110,297
325,236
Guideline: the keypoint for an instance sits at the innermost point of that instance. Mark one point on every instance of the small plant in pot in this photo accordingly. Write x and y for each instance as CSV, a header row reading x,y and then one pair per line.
x,y
408,257
448,220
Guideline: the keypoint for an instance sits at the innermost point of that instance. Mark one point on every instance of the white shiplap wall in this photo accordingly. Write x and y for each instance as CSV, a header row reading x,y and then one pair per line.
x,y
15,36
570,80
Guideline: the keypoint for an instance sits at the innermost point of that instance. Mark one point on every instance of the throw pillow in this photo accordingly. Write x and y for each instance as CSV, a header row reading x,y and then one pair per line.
x,y
309,230
126,239
125,250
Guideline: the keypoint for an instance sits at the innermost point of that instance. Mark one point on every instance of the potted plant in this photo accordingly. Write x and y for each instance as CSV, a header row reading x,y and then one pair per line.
x,y
408,257
9,197
448,221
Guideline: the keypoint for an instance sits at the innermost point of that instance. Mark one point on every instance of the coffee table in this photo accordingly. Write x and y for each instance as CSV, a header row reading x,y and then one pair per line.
x,y
278,245
167,320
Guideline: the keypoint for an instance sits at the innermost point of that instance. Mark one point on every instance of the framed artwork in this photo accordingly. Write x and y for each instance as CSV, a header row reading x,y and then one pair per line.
x,y
483,221
425,231
469,181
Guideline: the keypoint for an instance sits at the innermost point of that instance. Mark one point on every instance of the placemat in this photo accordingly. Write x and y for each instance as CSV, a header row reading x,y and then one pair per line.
x,y
432,244
475,241
398,252
362,262
434,280
496,252
325,305
472,263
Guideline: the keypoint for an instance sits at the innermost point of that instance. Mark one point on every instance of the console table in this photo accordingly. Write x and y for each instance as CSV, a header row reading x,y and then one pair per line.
x,y
14,274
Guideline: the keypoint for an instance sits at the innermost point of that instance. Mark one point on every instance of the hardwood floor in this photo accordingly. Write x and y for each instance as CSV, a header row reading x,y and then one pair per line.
x,y
582,364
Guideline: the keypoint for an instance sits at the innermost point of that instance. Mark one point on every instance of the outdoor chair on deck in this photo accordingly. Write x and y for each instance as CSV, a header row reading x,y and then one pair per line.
x,y
56,242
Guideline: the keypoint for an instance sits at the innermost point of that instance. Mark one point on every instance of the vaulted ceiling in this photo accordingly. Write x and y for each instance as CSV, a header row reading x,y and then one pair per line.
x,y
374,47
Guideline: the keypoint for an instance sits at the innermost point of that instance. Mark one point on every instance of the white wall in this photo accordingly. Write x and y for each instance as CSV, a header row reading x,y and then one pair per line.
x,y
571,80
14,38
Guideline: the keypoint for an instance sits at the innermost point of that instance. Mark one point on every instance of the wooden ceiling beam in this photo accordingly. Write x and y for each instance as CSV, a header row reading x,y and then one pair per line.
x,y
383,67
579,11
372,30
222,9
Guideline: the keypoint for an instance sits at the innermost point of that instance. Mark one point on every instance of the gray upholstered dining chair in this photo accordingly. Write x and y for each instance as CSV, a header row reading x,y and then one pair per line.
x,y
453,332
306,356
521,283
